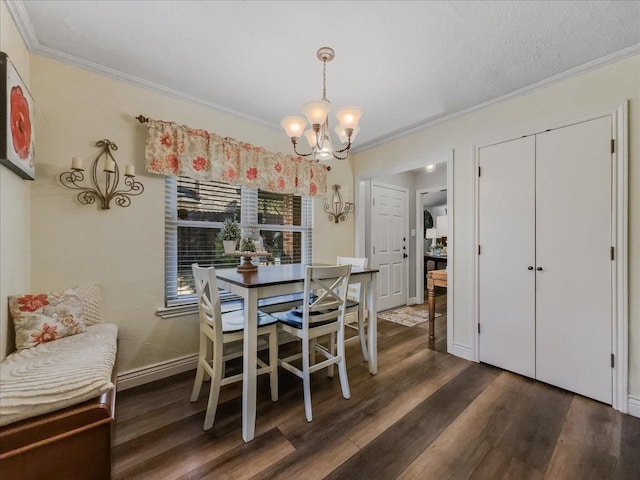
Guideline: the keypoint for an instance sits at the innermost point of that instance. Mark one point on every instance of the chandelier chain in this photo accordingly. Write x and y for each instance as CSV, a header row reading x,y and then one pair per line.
x,y
324,80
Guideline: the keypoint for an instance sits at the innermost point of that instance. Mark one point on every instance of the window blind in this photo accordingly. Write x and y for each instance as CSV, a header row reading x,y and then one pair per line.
x,y
194,214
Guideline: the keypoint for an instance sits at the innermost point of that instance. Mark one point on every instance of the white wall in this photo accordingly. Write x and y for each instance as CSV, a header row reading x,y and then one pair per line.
x,y
15,209
597,91
437,178
123,248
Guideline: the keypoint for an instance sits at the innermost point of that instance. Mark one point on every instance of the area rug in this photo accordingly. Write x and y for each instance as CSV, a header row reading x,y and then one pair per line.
x,y
407,316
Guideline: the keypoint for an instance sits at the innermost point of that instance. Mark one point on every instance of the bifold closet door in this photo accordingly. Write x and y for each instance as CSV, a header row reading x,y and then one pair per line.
x,y
573,241
506,228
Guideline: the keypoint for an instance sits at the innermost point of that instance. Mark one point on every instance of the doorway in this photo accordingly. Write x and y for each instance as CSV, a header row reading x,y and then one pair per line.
x,y
407,176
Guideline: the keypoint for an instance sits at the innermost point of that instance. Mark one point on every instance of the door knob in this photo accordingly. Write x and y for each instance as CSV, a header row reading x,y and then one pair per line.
x,y
529,267
539,269
404,255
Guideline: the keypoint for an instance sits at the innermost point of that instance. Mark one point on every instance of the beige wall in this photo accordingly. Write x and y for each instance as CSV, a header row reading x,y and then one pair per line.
x,y
123,248
15,245
594,92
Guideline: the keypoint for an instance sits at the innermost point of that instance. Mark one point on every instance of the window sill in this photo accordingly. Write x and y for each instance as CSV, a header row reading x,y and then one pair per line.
x,y
177,311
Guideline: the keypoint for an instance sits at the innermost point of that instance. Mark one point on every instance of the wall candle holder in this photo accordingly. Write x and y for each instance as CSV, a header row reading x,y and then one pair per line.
x,y
338,210
108,189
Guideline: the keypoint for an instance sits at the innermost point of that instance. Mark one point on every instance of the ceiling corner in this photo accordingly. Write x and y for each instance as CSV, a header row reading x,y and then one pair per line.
x,y
23,24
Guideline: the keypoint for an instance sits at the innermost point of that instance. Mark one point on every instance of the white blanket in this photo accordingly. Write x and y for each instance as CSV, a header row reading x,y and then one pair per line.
x,y
57,374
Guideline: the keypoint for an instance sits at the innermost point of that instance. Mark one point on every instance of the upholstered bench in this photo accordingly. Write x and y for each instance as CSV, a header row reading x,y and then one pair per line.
x,y
57,404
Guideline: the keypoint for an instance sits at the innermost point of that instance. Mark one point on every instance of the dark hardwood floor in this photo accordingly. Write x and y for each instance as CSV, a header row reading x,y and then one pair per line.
x,y
426,415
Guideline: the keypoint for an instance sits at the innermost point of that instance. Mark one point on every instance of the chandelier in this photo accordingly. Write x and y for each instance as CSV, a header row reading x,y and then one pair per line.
x,y
317,113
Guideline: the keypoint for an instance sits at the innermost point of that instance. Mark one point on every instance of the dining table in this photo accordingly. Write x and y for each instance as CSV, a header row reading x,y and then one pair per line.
x,y
271,281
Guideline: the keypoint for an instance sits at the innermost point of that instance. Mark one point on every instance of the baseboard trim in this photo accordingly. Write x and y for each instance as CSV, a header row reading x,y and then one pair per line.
x,y
634,406
168,368
157,371
462,351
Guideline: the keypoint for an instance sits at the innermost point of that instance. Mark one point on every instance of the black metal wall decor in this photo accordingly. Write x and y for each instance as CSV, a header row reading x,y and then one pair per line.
x,y
338,210
106,190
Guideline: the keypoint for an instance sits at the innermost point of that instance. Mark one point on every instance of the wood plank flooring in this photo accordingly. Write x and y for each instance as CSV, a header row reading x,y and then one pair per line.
x,y
426,414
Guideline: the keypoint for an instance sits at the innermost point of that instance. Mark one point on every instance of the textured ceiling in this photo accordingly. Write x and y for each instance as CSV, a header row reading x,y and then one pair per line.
x,y
405,63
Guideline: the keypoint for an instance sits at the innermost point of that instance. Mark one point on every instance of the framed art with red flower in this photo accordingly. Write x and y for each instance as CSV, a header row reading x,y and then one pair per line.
x,y
16,111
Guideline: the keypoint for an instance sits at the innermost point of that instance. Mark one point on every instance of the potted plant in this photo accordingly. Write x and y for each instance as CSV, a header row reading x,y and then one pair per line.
x,y
247,245
230,234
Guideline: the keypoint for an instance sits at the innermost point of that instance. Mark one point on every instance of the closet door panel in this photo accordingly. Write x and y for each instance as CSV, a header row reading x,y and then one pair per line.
x,y
573,240
506,230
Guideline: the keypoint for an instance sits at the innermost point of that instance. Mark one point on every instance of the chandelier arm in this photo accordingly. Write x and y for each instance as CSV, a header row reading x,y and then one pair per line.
x,y
338,157
301,154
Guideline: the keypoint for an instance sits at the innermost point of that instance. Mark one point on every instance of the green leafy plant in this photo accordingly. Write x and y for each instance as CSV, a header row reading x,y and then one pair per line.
x,y
230,230
247,245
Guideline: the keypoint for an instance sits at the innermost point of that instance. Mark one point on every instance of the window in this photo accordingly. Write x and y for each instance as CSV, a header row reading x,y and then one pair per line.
x,y
194,214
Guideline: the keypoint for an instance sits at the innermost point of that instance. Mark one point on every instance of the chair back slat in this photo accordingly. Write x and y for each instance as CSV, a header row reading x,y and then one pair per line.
x,y
330,284
353,292
209,310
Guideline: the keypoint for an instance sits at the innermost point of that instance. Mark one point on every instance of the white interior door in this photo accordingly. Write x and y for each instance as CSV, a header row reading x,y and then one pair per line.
x,y
389,243
573,241
506,275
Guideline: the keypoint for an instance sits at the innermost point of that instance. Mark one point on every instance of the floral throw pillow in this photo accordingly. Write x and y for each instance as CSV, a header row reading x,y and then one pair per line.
x,y
91,297
45,317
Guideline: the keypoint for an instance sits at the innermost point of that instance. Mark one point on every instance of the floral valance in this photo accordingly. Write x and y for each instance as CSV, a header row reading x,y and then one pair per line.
x,y
173,149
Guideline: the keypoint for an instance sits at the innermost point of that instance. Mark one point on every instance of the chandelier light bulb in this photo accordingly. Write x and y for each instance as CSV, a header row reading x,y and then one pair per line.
x,y
294,126
316,111
310,135
325,152
342,134
349,117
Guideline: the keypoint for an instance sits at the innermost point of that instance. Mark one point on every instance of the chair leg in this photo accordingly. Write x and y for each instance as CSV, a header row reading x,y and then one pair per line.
x,y
342,366
214,391
197,385
332,351
363,337
306,380
273,363
312,352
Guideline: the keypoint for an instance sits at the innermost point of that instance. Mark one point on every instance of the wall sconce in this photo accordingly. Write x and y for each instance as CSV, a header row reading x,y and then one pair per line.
x,y
108,189
338,209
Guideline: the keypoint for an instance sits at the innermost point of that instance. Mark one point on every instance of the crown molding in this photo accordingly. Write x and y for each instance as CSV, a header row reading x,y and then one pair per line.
x,y
573,72
23,23
25,27
29,36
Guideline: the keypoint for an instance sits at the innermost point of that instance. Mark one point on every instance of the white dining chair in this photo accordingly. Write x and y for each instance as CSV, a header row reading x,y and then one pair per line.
x,y
219,329
353,320
321,314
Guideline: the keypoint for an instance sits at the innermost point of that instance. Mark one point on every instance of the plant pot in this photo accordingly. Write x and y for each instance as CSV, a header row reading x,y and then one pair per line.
x,y
229,246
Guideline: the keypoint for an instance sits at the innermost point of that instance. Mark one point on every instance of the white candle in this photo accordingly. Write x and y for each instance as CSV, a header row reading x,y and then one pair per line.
x,y
130,170
76,163
109,165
